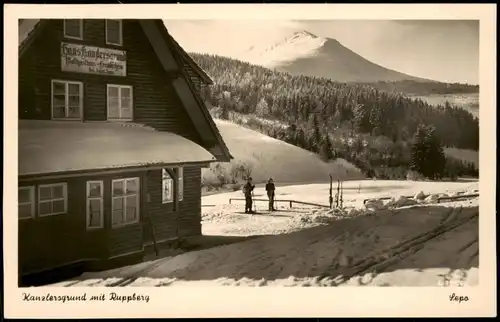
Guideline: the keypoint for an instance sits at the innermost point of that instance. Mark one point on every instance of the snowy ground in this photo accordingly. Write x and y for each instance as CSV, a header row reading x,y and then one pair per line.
x,y
414,242
469,101
221,218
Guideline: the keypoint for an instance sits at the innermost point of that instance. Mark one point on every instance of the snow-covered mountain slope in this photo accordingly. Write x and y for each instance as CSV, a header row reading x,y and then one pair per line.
x,y
304,53
298,45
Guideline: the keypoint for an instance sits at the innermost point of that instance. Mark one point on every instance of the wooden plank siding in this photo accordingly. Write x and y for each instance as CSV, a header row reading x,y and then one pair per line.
x,y
170,223
52,241
61,239
56,240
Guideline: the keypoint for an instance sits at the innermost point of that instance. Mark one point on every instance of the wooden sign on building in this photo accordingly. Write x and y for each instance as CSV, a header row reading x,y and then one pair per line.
x,y
93,60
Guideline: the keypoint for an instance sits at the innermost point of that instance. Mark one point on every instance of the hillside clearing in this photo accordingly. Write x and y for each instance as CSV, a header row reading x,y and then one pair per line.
x,y
463,154
467,101
283,162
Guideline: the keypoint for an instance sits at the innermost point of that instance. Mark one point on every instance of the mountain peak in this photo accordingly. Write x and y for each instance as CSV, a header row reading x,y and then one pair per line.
x,y
305,33
303,53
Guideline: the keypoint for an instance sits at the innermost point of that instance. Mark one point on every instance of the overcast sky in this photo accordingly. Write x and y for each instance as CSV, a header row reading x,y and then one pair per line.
x,y
443,50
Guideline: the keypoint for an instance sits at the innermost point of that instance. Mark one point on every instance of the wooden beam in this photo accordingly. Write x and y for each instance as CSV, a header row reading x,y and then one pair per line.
x,y
159,45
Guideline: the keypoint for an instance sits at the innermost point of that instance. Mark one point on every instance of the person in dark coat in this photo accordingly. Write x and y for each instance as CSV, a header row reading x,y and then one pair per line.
x,y
247,190
270,193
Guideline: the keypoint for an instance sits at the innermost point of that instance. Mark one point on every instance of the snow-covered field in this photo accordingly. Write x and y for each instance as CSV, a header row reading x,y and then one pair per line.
x,y
406,242
463,154
470,102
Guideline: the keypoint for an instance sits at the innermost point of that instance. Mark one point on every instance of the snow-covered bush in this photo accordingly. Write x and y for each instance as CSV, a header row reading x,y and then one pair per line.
x,y
354,212
323,219
433,198
414,176
420,196
401,201
375,204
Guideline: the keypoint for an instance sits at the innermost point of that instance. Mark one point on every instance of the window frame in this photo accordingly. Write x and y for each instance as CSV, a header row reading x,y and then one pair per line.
x,y
65,198
120,32
88,198
66,99
73,37
124,197
165,175
180,183
119,87
32,202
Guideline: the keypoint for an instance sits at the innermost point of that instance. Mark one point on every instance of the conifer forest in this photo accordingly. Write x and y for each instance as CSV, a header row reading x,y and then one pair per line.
x,y
377,126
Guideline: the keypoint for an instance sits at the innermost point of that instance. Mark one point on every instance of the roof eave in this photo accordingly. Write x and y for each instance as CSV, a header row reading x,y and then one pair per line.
x,y
108,170
226,155
201,73
22,46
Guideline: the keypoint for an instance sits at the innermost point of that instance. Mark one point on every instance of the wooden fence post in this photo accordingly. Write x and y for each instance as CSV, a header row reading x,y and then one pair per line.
x,y
331,196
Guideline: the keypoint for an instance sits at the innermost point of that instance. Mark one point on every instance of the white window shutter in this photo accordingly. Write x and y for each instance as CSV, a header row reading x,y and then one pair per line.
x,y
126,102
113,102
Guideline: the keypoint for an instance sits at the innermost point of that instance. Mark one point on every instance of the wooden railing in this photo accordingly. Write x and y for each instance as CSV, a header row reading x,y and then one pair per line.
x,y
291,202
474,195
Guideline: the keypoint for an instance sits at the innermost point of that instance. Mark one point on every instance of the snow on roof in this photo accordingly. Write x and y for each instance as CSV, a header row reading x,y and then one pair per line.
x,y
59,146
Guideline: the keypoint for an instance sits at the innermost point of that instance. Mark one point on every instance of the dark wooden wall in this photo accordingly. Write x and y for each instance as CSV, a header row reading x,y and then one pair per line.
x,y
52,241
56,240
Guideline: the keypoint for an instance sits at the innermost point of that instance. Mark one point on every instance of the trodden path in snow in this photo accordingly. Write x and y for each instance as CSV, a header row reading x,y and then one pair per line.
x,y
230,220
430,245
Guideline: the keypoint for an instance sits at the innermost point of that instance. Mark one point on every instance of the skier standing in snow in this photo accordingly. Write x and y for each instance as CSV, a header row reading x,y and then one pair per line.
x,y
247,190
270,193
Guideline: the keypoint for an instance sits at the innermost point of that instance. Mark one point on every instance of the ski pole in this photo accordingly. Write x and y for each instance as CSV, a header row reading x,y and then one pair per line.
x,y
337,195
330,197
341,194
254,204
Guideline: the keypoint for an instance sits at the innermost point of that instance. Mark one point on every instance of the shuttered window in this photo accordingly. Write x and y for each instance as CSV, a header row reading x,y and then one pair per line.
x,y
120,103
167,187
95,203
180,178
67,100
114,34
26,202
52,199
125,201
73,28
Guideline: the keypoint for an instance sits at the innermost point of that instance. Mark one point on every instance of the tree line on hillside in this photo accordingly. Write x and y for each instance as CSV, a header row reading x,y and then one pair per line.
x,y
369,127
425,88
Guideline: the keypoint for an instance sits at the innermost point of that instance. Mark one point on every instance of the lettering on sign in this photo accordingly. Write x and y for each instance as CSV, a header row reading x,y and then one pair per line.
x,y
93,60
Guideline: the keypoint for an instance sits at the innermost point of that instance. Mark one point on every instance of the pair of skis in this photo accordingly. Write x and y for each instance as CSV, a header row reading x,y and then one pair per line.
x,y
339,195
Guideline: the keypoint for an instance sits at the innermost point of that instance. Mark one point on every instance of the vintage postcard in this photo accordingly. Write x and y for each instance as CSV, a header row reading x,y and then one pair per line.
x,y
250,160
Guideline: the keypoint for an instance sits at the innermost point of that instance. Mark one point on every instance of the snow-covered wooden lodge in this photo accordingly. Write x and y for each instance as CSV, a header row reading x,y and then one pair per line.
x,y
113,135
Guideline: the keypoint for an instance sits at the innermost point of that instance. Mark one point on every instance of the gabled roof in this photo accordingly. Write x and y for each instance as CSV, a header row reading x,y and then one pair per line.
x,y
167,50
